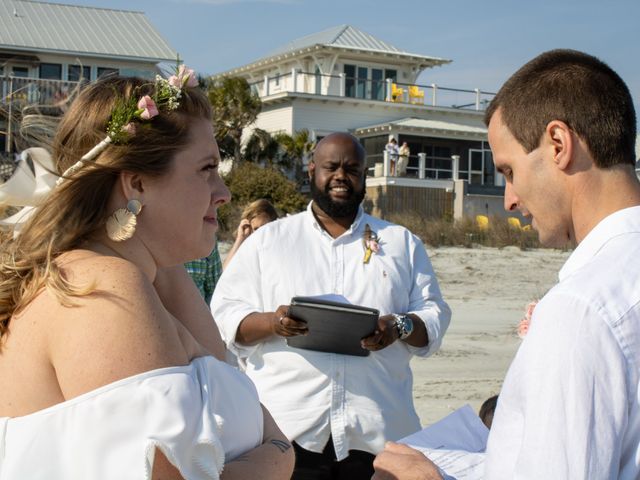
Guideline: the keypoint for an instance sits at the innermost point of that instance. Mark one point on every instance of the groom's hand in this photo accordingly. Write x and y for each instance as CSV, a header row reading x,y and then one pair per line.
x,y
401,462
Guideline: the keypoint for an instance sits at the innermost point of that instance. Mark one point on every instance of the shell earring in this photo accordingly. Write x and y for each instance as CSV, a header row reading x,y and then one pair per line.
x,y
121,225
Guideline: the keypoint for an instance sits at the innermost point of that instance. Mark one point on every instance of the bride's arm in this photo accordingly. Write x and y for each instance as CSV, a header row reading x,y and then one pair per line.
x,y
181,298
274,459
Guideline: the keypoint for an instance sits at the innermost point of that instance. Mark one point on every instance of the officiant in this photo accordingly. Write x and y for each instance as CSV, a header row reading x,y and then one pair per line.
x,y
338,409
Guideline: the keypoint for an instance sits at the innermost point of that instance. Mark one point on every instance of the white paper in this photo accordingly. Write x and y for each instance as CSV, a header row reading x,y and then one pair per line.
x,y
457,464
456,444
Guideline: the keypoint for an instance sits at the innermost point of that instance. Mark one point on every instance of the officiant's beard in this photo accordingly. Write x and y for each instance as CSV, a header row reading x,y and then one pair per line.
x,y
343,209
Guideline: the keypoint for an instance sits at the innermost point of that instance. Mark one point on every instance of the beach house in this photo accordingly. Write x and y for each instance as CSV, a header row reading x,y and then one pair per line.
x,y
48,49
344,79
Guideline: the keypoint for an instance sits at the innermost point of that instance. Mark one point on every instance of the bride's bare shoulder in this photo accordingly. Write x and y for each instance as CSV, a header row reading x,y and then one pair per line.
x,y
117,330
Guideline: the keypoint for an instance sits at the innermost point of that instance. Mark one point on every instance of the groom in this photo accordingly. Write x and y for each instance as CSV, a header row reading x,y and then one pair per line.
x,y
562,130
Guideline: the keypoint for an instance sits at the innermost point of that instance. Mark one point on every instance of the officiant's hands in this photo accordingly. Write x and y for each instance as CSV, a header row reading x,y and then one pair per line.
x,y
383,336
401,462
287,326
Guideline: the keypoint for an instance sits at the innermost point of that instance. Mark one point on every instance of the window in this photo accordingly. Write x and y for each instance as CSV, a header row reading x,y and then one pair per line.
x,y
51,71
479,168
20,71
75,73
350,80
103,71
361,89
377,84
365,82
392,74
136,72
318,81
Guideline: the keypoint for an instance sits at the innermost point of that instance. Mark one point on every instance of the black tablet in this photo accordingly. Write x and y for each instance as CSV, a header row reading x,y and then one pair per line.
x,y
333,326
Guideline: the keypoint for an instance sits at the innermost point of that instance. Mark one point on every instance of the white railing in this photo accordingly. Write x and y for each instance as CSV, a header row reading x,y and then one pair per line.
x,y
16,93
384,90
382,165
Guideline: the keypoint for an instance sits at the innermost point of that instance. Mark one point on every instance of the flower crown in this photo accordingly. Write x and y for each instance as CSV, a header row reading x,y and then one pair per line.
x,y
121,126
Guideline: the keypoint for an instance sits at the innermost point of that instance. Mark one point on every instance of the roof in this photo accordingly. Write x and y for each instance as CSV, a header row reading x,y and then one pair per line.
x,y
467,128
27,25
343,38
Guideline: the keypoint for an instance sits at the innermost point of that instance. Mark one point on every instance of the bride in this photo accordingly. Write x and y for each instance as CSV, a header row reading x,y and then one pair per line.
x,y
109,359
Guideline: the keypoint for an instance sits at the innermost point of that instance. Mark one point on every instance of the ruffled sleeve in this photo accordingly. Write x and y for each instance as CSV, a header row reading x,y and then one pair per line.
x,y
113,432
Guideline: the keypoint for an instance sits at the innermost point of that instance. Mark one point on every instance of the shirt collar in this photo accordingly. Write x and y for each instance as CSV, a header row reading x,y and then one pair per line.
x,y
354,226
623,221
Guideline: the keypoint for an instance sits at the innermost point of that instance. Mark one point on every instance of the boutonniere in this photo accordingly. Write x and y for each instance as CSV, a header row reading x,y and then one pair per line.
x,y
371,243
525,323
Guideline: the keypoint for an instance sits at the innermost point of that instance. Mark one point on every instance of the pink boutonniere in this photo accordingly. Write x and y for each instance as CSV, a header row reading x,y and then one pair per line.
x,y
371,243
525,323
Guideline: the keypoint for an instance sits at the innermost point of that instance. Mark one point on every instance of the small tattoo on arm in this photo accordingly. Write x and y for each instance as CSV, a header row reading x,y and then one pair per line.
x,y
241,458
281,445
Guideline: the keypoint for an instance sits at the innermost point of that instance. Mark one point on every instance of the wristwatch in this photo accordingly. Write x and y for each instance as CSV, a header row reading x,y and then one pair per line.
x,y
404,325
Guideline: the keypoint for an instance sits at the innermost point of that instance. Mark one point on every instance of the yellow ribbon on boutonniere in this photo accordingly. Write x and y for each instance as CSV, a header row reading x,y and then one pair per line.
x,y
371,243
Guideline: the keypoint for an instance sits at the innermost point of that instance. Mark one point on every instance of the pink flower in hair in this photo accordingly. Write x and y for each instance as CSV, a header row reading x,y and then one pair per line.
x,y
148,107
129,128
186,77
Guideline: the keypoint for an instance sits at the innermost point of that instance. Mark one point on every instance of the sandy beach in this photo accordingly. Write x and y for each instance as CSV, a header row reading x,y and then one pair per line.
x,y
487,290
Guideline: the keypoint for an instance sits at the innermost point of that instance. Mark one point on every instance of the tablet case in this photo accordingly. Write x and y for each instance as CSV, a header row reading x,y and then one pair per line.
x,y
333,327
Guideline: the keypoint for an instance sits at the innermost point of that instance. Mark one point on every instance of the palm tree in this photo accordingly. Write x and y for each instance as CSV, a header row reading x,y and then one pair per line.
x,y
261,146
297,148
235,107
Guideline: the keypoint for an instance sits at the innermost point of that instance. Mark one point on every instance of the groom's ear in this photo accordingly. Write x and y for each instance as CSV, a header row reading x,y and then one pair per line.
x,y
561,140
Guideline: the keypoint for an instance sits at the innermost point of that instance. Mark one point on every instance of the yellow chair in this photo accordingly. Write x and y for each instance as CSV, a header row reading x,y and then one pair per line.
x,y
416,95
482,221
397,93
514,223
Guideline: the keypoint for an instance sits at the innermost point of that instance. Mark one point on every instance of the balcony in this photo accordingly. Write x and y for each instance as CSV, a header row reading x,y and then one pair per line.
x,y
382,90
18,94
26,91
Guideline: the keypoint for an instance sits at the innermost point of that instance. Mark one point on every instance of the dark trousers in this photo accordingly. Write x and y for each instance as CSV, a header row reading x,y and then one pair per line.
x,y
324,466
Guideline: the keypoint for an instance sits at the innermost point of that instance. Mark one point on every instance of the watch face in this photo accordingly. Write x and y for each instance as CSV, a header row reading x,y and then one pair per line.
x,y
404,324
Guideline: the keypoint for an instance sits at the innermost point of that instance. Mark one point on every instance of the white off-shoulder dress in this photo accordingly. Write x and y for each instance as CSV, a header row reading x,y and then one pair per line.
x,y
200,416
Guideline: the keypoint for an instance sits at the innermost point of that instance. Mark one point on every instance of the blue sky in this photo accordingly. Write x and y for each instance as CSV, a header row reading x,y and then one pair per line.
x,y
487,40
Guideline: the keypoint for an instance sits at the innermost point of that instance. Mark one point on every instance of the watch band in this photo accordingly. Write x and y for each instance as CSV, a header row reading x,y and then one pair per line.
x,y
404,325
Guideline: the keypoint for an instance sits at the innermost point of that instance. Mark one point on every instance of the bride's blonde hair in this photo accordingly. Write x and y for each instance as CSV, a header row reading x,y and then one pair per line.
x,y
76,209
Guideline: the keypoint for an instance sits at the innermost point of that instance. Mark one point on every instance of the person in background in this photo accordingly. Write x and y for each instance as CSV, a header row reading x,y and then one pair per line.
x,y
403,160
562,130
205,273
487,410
254,216
392,151
338,409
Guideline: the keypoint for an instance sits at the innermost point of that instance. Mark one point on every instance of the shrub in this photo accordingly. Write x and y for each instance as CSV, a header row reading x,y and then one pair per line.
x,y
465,232
249,182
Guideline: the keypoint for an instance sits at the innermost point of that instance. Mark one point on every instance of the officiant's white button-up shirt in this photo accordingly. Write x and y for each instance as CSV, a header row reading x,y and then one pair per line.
x,y
569,407
361,401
